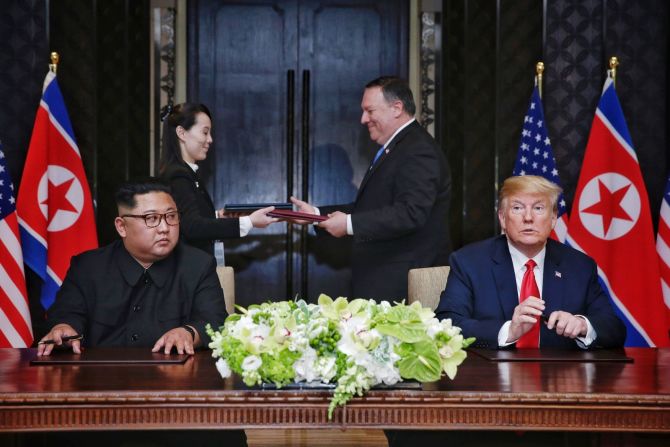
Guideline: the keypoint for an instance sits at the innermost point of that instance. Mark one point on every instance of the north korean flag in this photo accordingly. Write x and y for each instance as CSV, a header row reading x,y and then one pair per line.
x,y
54,205
611,222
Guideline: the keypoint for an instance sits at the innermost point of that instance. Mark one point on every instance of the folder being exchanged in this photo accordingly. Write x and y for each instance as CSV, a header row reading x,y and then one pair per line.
x,y
296,215
251,207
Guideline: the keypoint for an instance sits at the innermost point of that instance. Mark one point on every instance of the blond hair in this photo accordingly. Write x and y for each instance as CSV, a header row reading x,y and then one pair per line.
x,y
529,184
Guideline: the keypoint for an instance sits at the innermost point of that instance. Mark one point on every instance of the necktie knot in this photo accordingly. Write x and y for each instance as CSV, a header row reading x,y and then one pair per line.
x,y
530,265
377,156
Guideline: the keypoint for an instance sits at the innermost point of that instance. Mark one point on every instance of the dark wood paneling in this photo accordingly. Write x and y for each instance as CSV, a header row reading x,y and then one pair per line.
x,y
637,33
519,49
104,76
575,61
24,59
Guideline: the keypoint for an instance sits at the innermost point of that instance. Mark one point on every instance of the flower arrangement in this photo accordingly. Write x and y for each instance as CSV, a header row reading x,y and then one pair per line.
x,y
354,344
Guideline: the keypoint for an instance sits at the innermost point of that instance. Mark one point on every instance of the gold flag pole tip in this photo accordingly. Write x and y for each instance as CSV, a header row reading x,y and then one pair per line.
x,y
614,63
539,69
53,66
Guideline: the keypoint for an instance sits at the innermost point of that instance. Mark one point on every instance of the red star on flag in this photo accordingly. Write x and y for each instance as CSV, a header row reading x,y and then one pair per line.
x,y
57,199
609,206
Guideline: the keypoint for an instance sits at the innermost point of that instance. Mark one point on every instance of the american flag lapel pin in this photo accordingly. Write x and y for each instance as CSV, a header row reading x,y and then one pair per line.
x,y
557,274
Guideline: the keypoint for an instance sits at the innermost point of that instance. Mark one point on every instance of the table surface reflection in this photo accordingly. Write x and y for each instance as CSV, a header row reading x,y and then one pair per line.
x,y
586,396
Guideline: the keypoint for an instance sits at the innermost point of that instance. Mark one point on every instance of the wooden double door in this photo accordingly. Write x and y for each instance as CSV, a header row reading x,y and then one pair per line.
x,y
284,81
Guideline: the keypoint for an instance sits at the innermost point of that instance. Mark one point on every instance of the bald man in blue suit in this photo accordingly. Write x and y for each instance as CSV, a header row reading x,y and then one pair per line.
x,y
482,292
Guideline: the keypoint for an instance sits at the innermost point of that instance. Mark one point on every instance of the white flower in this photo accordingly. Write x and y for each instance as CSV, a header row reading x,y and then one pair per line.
x,y
304,366
223,368
251,363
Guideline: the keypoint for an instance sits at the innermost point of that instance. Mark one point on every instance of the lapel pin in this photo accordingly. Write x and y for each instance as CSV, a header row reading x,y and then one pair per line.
x,y
557,273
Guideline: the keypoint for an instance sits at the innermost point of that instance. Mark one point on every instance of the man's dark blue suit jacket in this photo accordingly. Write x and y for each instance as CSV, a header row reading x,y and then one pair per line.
x,y
481,293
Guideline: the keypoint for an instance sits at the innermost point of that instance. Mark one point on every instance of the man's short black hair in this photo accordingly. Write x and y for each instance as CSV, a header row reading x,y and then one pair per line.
x,y
395,89
128,191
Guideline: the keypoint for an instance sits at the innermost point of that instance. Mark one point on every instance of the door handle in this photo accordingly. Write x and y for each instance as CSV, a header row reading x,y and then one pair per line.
x,y
290,162
304,146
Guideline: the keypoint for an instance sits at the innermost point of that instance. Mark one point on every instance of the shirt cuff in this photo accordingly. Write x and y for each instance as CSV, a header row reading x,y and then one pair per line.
x,y
502,335
245,225
589,338
316,211
350,226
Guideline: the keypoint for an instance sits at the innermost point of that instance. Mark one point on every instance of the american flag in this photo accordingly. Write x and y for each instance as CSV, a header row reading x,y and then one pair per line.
x,y
15,326
663,245
536,157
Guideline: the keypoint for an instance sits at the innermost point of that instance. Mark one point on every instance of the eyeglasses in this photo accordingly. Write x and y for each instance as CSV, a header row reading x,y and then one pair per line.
x,y
154,219
537,210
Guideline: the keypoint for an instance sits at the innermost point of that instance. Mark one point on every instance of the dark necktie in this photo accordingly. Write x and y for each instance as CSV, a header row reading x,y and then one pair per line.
x,y
530,339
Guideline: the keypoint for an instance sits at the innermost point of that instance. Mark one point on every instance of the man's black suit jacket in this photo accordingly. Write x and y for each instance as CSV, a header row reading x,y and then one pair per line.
x,y
399,217
107,297
199,225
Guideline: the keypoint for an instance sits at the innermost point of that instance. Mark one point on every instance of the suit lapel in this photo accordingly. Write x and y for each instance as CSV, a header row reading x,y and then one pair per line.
x,y
552,279
387,153
197,182
503,274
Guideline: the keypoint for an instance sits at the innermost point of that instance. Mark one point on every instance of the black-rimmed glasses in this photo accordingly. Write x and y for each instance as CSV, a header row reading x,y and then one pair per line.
x,y
153,220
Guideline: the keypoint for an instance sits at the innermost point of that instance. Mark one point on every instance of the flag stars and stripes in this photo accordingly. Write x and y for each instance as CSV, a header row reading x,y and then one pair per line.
x,y
15,323
535,155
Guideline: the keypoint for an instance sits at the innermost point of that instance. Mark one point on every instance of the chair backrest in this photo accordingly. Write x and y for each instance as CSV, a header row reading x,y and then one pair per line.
x,y
227,280
426,285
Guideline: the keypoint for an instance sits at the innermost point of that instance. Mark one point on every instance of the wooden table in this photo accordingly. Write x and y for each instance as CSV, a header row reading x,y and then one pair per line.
x,y
485,395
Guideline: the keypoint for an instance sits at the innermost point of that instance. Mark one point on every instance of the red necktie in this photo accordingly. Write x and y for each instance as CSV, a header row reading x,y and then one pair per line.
x,y
530,339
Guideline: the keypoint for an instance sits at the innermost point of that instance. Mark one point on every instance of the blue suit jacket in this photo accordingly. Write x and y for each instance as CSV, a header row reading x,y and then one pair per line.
x,y
481,293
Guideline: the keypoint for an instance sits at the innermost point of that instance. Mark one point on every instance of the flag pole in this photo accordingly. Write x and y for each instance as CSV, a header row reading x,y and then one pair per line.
x,y
539,69
53,66
614,63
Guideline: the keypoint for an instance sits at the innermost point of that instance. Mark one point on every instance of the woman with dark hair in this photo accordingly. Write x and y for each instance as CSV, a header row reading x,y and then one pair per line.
x,y
187,135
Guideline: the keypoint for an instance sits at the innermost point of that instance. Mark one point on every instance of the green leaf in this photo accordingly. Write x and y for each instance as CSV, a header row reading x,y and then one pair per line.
x,y
407,332
420,361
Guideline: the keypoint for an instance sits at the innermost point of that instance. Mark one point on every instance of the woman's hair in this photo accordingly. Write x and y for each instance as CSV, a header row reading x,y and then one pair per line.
x,y
183,115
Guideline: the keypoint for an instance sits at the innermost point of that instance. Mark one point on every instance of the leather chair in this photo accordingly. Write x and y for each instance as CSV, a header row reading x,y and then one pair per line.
x,y
426,285
227,280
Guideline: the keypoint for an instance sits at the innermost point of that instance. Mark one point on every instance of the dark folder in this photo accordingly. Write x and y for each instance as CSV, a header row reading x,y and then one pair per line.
x,y
552,355
296,215
251,207
109,356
